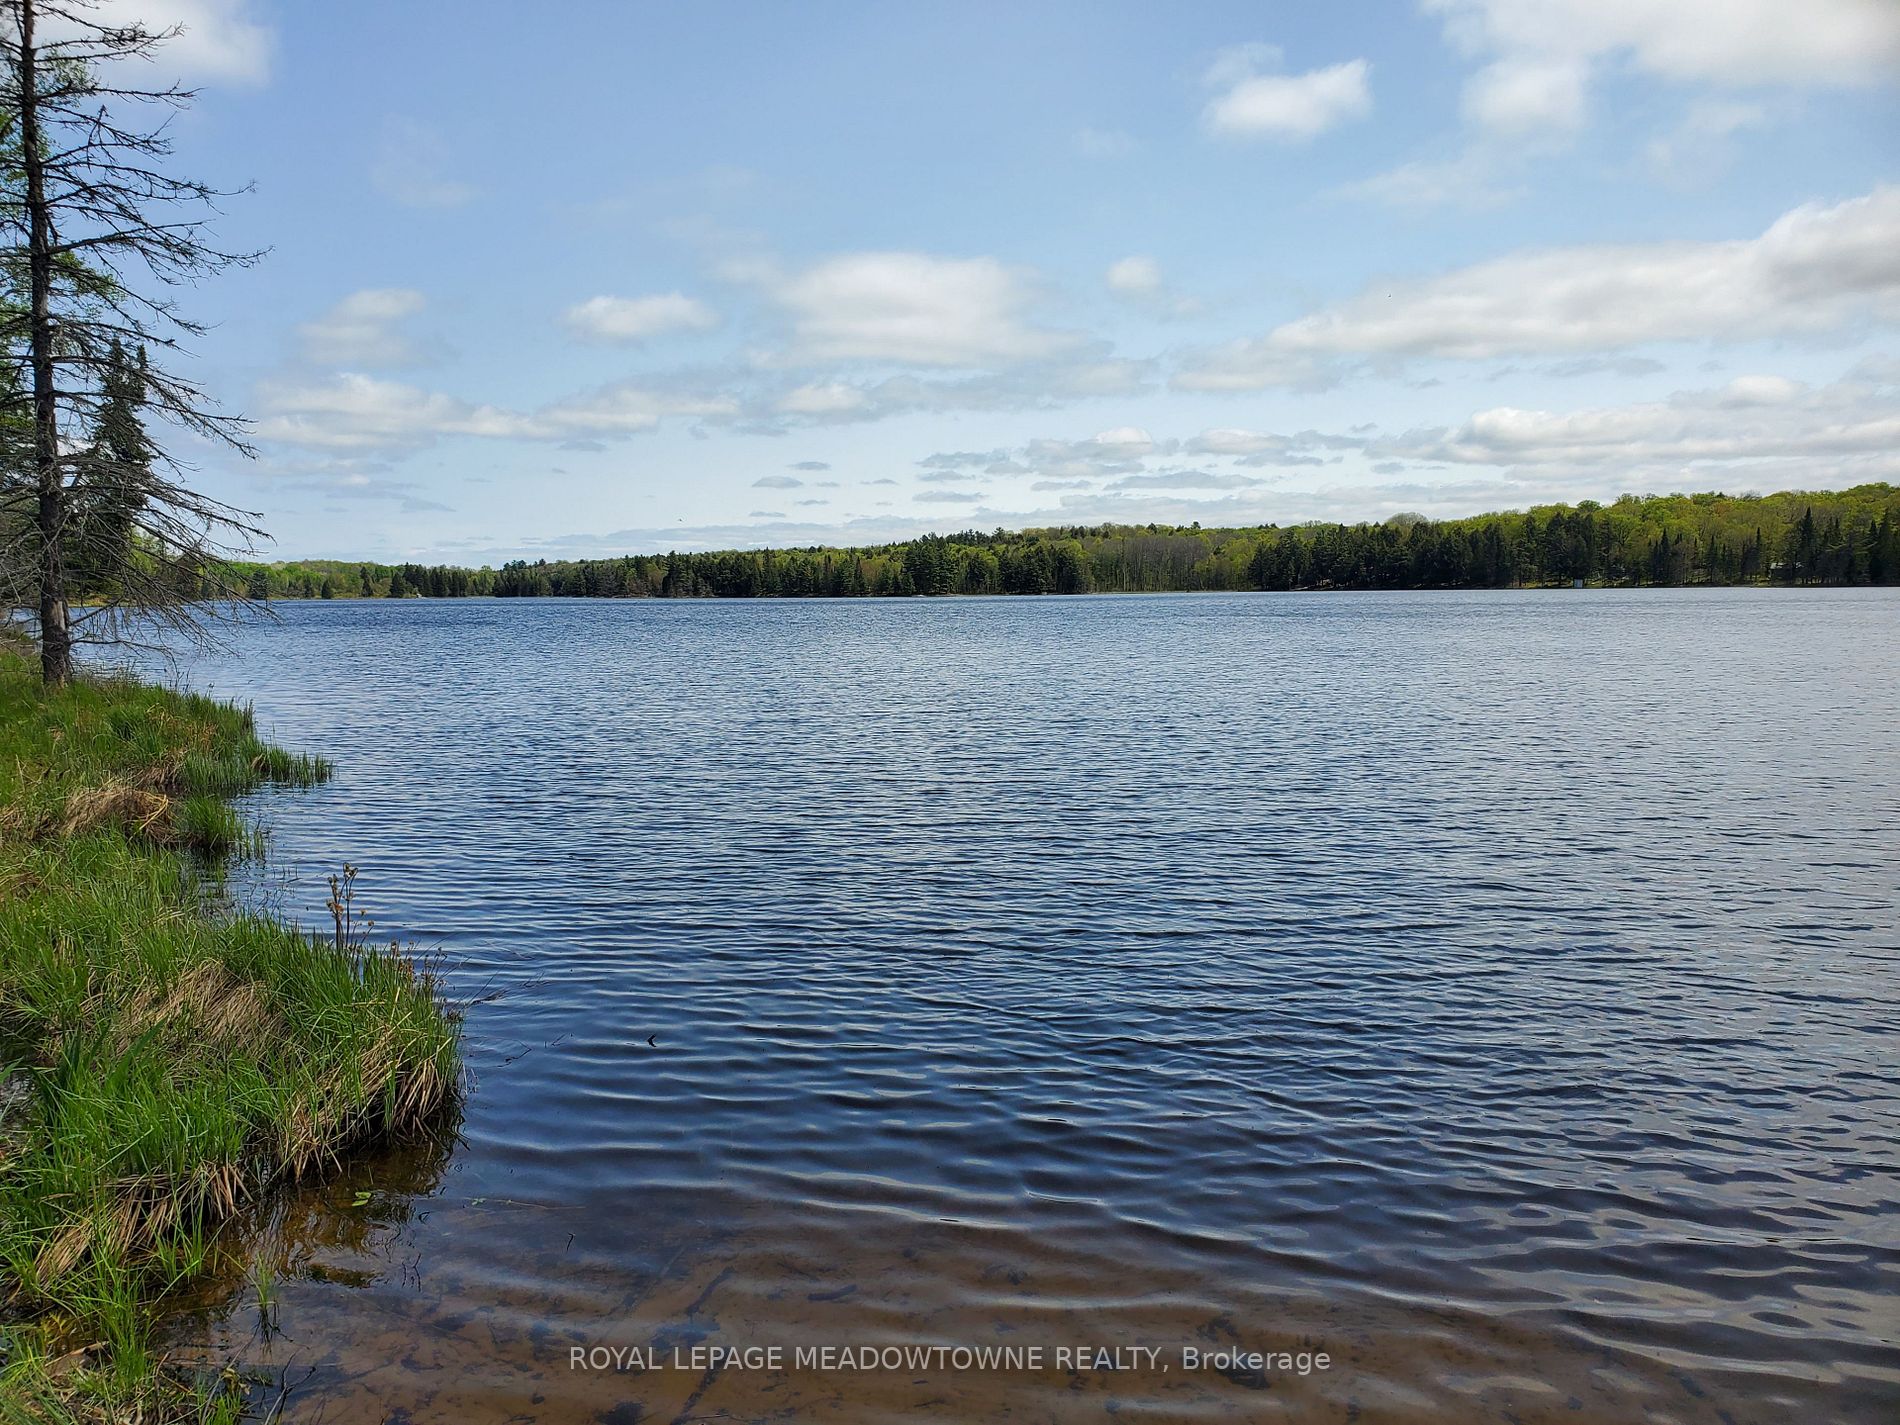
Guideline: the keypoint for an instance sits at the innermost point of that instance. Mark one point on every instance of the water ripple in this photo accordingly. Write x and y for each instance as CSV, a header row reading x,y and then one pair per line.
x,y
1501,988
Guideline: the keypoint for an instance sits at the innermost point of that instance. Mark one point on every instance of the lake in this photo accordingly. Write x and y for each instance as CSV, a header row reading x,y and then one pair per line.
x,y
1495,992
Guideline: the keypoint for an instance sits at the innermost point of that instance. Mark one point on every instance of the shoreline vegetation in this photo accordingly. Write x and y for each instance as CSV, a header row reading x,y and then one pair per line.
x,y
1848,537
165,1061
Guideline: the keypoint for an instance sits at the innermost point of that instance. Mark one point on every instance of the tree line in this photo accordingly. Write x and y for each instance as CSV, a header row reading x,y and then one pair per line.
x,y
1834,538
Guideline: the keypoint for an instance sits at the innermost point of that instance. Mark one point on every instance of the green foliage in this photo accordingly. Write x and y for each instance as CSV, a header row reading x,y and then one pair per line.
x,y
161,1064
1850,537
209,825
114,482
1845,537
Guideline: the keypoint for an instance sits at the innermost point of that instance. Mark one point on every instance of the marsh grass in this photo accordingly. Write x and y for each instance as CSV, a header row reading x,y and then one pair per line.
x,y
162,1065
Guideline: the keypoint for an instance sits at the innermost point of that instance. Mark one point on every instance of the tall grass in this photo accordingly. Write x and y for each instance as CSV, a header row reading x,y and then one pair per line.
x,y
161,1064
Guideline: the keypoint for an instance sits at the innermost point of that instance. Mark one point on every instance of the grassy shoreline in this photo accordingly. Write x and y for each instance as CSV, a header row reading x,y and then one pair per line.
x,y
163,1063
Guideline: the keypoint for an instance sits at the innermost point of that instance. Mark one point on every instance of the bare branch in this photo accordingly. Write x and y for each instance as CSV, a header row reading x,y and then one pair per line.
x,y
98,530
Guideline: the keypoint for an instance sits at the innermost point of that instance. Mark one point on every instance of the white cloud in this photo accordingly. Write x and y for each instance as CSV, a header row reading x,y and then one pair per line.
x,y
363,329
1185,480
347,478
1135,276
625,320
1840,433
1827,43
948,497
1138,281
1122,450
1230,441
1025,387
828,398
914,309
1263,448
1699,148
412,167
217,40
1292,107
1238,63
1521,95
1121,443
1245,365
1740,42
1817,270
1468,180
956,459
1760,391
625,408
1755,432
356,412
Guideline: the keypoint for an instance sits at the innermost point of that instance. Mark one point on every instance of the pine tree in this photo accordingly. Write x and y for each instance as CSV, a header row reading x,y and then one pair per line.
x,y
1803,545
97,231
113,485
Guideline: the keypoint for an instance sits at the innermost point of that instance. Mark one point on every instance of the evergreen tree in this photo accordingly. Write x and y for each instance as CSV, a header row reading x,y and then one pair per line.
x,y
1803,545
95,223
112,487
1847,537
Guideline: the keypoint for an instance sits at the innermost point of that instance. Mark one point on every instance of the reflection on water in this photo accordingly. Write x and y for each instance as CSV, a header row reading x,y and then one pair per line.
x,y
1493,992
341,1230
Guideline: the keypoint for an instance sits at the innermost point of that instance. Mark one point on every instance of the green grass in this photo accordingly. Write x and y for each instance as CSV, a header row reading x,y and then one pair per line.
x,y
163,1064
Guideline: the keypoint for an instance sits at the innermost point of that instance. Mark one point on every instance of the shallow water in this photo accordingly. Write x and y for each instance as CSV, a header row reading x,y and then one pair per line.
x,y
1495,992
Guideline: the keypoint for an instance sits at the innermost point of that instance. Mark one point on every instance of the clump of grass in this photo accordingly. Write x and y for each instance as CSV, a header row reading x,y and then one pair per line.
x,y
264,1283
208,825
161,1065
114,753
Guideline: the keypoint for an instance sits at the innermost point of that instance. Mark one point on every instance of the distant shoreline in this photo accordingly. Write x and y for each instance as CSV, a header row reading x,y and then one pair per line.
x,y
1760,586
1790,539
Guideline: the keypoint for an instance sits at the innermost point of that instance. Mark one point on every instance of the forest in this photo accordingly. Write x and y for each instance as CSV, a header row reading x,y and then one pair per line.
x,y
1794,537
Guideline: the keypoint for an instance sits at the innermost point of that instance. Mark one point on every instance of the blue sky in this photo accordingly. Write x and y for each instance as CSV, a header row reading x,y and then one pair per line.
x,y
640,276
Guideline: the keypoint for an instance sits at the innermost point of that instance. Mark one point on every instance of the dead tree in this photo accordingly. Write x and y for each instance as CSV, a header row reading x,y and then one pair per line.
x,y
98,533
